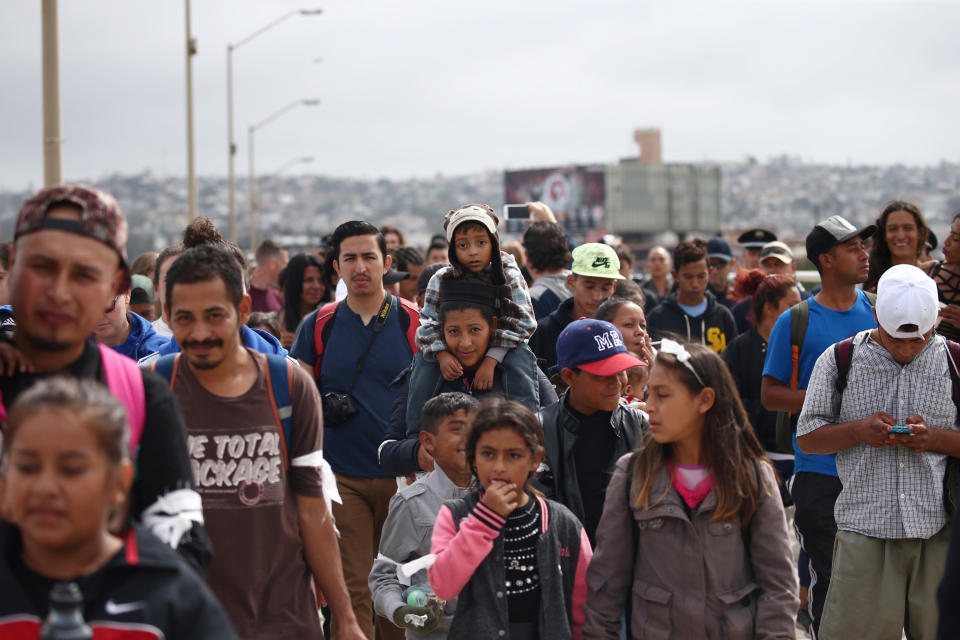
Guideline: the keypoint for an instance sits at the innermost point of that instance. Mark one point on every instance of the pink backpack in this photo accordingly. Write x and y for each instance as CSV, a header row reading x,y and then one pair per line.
x,y
126,384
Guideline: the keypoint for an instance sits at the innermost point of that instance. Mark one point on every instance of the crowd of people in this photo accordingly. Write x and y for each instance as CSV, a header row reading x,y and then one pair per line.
x,y
484,439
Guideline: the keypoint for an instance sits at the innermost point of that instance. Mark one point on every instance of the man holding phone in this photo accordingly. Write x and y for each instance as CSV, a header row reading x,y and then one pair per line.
x,y
893,526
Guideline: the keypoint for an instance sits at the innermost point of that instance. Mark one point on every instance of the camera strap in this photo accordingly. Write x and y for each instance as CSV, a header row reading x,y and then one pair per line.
x,y
378,325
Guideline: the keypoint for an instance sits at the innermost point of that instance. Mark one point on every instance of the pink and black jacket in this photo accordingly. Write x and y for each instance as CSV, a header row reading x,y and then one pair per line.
x,y
469,547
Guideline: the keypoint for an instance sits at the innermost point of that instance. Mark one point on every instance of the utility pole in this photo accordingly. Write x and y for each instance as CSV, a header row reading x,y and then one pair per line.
x,y
52,140
191,170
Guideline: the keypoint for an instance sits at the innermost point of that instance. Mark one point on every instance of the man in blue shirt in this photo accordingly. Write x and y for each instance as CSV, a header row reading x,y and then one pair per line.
x,y
839,311
366,330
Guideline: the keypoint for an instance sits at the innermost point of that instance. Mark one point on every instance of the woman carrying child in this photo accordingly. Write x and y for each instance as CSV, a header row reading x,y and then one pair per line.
x,y
516,560
698,511
65,469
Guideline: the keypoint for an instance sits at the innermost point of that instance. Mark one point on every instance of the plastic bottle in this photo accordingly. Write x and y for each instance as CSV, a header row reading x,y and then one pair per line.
x,y
65,620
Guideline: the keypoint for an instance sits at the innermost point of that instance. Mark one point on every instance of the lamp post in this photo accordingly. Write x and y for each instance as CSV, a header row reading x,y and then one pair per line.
x,y
52,150
251,186
191,171
231,144
292,162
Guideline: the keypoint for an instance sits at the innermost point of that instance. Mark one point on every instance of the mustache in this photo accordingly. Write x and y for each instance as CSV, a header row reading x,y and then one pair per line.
x,y
201,343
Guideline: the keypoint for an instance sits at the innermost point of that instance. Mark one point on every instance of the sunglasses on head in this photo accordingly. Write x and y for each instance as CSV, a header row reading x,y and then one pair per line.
x,y
113,305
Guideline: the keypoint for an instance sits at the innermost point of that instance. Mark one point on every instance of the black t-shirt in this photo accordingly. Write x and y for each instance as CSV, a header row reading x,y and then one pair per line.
x,y
593,456
162,463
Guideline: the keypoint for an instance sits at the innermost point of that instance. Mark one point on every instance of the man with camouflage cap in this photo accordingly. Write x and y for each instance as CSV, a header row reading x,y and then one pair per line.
x,y
68,263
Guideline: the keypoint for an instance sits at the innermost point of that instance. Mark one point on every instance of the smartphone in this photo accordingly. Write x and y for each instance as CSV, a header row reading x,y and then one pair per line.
x,y
516,212
900,428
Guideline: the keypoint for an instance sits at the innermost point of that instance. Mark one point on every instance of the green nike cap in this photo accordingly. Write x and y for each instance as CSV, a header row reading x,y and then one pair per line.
x,y
596,260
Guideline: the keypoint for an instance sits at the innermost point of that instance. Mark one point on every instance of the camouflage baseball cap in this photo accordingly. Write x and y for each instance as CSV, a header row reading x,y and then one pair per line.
x,y
100,215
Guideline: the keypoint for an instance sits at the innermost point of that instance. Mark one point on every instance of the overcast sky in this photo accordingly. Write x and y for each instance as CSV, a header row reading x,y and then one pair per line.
x,y
425,86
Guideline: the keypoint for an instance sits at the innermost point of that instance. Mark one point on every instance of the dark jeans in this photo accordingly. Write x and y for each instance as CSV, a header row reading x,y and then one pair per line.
x,y
814,496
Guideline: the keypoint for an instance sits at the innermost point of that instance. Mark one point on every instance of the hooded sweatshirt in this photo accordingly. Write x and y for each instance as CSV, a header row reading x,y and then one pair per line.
x,y
715,327
142,340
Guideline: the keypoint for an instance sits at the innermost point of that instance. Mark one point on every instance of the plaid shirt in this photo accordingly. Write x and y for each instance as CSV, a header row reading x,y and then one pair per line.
x,y
512,327
888,492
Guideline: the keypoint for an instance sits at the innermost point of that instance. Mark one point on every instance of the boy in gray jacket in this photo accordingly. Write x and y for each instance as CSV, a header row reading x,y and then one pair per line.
x,y
409,525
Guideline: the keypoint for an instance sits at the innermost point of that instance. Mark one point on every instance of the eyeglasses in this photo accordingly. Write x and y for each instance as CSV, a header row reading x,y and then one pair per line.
x,y
679,353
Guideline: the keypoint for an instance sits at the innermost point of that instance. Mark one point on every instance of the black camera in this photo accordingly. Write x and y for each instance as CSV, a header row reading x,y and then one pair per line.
x,y
338,408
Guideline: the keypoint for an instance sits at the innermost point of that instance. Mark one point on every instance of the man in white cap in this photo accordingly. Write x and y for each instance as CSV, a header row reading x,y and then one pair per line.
x,y
893,426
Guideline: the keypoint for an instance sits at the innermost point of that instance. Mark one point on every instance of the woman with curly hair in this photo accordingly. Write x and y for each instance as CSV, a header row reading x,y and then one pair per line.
x,y
901,234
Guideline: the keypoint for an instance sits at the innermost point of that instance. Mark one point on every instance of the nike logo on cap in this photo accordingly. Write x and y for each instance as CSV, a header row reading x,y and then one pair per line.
x,y
601,262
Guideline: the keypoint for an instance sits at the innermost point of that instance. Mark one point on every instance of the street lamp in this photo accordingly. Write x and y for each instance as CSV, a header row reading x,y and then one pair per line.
x,y
292,162
231,144
254,214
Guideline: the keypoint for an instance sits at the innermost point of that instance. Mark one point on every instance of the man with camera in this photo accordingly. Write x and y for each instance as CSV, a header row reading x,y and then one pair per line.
x,y
255,444
884,402
355,349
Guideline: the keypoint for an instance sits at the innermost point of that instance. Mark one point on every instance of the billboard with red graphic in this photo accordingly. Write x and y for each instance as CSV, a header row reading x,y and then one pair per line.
x,y
575,193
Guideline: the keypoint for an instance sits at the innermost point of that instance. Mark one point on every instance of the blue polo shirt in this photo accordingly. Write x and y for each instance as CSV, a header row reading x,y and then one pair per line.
x,y
825,327
351,447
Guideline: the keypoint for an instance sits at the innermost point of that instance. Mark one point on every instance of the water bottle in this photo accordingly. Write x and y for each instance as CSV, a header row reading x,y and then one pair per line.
x,y
65,620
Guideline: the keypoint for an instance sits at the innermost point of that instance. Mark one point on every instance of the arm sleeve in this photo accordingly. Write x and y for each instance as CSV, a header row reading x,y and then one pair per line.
x,y
398,453
610,574
164,497
511,331
400,543
429,338
779,363
303,347
772,562
579,597
818,403
306,434
459,553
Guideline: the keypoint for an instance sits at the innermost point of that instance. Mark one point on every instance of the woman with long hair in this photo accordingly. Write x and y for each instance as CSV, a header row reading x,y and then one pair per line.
x,y
693,533
303,291
900,237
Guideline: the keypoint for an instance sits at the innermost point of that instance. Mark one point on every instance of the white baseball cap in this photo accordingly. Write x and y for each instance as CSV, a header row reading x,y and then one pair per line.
x,y
907,302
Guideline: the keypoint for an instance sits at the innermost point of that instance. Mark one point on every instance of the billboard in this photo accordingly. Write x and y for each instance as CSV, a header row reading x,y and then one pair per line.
x,y
574,193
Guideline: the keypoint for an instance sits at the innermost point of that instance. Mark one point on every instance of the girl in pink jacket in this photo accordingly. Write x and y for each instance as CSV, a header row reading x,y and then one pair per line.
x,y
516,560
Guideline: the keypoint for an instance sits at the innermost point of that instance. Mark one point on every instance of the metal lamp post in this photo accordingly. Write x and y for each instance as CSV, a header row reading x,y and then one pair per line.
x,y
254,213
231,144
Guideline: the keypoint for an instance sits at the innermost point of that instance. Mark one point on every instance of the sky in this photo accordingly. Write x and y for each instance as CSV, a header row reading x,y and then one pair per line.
x,y
423,87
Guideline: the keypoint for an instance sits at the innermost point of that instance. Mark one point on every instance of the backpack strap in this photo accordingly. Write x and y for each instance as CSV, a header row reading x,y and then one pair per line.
x,y
843,353
786,421
953,364
166,367
799,320
278,379
409,322
321,331
125,382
